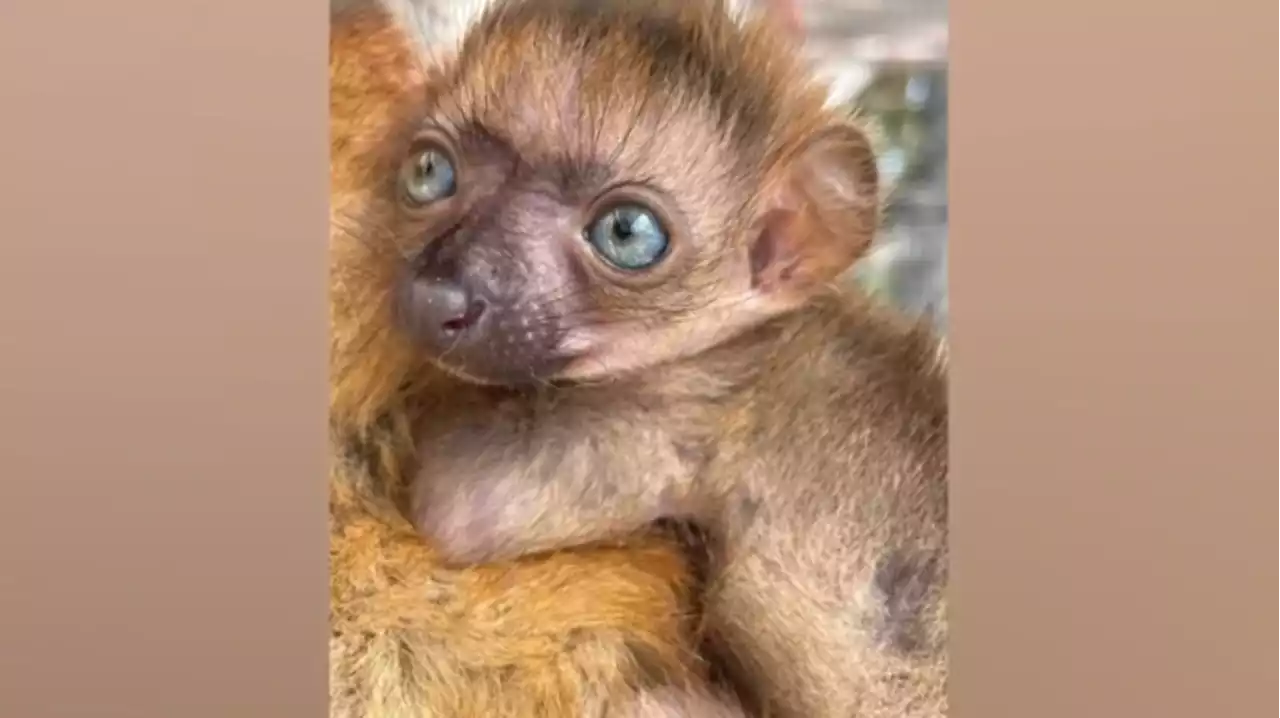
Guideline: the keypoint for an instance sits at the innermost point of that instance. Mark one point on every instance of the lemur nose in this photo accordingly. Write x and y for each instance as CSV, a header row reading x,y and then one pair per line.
x,y
446,309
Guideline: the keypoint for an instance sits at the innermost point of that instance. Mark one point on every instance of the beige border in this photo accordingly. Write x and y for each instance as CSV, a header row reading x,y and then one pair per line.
x,y
1112,245
163,336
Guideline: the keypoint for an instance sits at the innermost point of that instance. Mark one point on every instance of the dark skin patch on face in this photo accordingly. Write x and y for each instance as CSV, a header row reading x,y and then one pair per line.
x,y
572,177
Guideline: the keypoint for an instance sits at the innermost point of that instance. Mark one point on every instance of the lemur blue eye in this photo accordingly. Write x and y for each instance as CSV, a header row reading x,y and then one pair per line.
x,y
629,237
428,177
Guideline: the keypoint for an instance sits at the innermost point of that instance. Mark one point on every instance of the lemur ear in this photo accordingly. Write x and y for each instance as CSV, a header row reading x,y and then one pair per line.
x,y
823,217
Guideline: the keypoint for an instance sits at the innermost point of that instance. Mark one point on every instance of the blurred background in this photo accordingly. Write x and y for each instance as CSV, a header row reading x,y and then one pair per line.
x,y
886,60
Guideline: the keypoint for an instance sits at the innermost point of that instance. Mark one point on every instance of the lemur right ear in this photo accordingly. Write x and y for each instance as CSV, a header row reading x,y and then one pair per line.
x,y
821,218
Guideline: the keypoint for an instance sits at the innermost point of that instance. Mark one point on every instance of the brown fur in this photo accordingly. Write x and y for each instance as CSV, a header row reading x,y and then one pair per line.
x,y
725,383
682,703
820,464
567,635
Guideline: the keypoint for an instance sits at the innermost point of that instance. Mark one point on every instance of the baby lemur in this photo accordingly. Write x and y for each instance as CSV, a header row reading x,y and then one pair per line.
x,y
574,634
620,223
